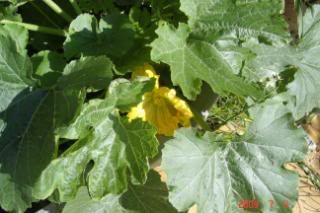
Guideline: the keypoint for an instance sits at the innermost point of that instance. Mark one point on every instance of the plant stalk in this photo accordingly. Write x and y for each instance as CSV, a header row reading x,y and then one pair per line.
x,y
36,28
57,9
291,17
75,6
43,13
199,119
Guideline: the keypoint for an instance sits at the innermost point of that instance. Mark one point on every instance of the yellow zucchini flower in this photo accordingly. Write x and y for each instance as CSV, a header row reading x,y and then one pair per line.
x,y
161,107
146,71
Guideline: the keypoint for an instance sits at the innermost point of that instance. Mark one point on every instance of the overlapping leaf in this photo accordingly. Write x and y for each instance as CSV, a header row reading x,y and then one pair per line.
x,y
83,203
217,175
151,197
194,61
129,94
113,36
113,145
29,118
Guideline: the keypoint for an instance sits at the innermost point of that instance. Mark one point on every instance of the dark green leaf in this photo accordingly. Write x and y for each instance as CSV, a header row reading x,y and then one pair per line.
x,y
150,197
48,67
95,72
113,35
47,61
96,6
27,141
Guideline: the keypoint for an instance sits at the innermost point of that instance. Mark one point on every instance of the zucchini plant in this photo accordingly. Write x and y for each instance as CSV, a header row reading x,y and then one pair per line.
x,y
93,93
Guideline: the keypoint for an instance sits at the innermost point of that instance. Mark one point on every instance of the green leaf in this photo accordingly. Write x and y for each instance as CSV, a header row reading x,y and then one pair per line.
x,y
129,93
14,71
115,147
194,61
216,175
168,10
150,197
27,141
20,34
47,61
213,18
84,204
113,35
48,67
138,54
28,119
95,72
304,57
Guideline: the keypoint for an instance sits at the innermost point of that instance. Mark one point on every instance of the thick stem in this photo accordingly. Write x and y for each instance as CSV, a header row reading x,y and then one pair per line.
x,y
56,8
291,17
75,6
36,28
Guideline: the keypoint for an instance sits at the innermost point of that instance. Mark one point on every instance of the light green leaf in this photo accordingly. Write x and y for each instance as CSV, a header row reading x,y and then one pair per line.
x,y
304,57
194,61
84,204
95,72
213,18
129,93
20,34
150,197
216,175
14,71
115,147
113,36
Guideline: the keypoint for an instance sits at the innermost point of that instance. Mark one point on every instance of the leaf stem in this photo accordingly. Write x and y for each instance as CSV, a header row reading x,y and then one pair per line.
x,y
57,9
43,13
199,119
75,6
36,28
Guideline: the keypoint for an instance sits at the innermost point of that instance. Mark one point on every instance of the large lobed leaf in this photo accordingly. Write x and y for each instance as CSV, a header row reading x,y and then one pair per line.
x,y
109,147
193,61
217,175
271,60
212,18
29,118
